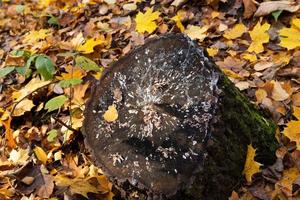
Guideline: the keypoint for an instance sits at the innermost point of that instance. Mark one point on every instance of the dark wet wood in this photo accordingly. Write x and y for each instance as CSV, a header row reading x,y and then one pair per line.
x,y
182,129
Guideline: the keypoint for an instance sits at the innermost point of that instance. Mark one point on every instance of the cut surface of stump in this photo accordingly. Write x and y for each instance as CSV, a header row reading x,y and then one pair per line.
x,y
170,99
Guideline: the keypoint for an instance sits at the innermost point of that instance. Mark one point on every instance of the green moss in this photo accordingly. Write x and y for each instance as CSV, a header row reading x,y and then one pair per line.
x,y
240,124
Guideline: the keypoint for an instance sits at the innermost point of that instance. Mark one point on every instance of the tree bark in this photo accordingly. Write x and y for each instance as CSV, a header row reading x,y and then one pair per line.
x,y
182,129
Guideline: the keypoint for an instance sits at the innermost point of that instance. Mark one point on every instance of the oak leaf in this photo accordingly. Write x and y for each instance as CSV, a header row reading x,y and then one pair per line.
x,y
289,37
259,36
251,166
145,22
76,185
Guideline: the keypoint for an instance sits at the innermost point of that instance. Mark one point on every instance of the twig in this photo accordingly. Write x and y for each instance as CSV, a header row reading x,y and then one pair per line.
x,y
65,125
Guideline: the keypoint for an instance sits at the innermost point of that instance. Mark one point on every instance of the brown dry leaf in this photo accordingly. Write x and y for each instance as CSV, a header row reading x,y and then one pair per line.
x,y
265,8
76,185
9,132
251,166
288,178
46,187
234,196
249,8
232,63
260,66
278,93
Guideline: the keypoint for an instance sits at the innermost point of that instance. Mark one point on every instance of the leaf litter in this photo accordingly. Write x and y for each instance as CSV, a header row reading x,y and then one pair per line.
x,y
50,51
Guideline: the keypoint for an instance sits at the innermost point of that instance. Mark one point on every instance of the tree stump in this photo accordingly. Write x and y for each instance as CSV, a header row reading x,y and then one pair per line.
x,y
182,129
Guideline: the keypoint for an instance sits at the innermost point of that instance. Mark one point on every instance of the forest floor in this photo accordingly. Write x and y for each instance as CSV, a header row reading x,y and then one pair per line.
x,y
50,50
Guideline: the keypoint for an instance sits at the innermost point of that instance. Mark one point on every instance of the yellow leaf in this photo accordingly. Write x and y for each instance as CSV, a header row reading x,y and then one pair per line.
x,y
72,72
296,112
292,129
40,154
249,57
259,36
145,21
111,114
35,36
289,176
212,51
196,32
237,31
251,166
23,106
88,46
32,86
290,36
177,20
76,185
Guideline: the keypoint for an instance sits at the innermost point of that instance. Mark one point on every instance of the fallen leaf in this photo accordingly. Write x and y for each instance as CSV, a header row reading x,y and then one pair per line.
x,y
237,31
289,37
212,51
259,36
111,114
32,86
278,93
196,32
249,8
260,66
249,57
288,178
251,166
145,22
35,36
19,157
76,185
40,154
265,8
88,46
22,107
260,94
292,129
177,19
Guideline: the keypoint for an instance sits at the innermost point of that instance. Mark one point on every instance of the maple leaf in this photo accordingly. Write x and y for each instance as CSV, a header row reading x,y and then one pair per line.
x,y
88,46
76,185
111,114
196,32
34,36
251,166
145,21
259,36
289,37
237,31
288,178
292,129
